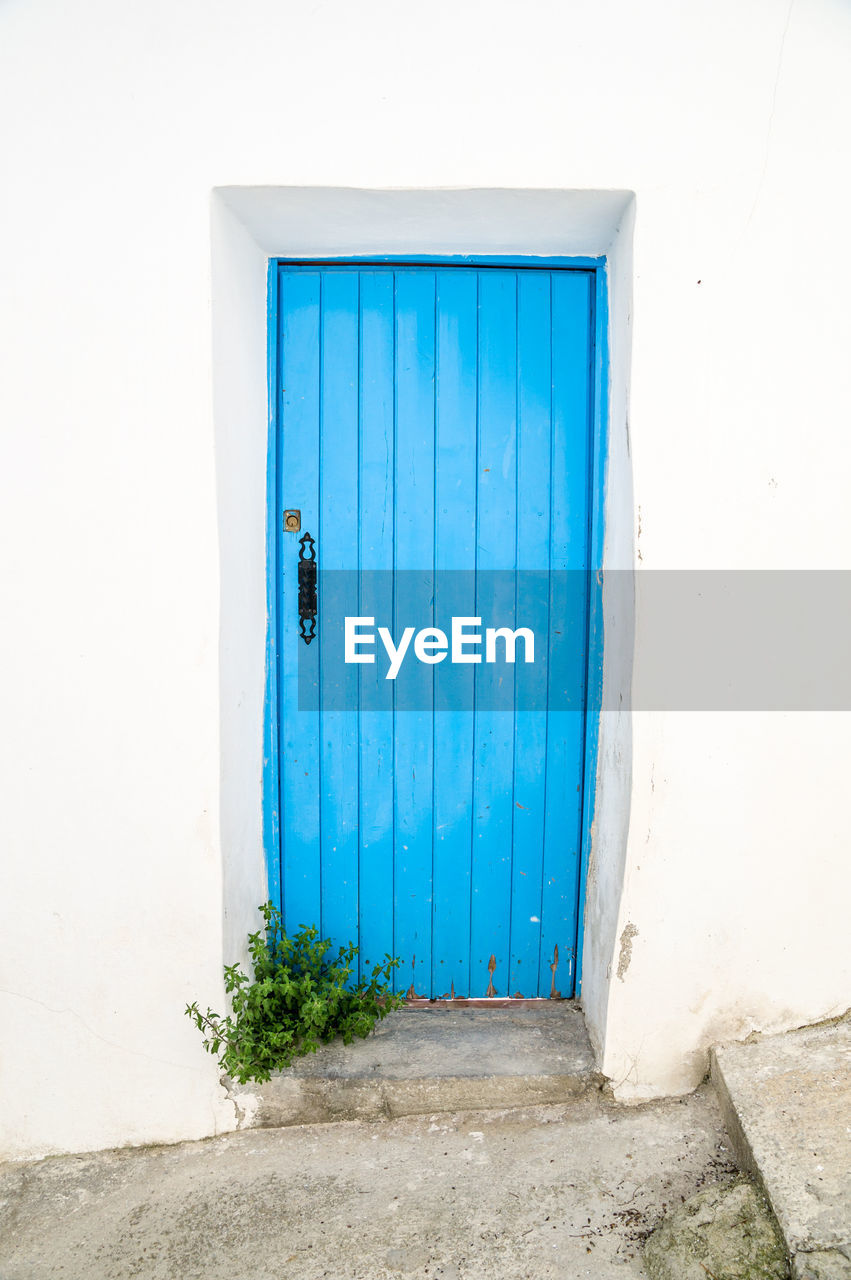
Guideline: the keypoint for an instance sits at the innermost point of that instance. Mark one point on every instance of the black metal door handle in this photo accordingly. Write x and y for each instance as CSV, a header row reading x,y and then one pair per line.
x,y
307,588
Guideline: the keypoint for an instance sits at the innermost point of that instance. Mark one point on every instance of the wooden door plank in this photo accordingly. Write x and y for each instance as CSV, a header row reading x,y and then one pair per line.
x,y
337,550
377,463
571,293
534,371
496,558
455,559
413,719
298,485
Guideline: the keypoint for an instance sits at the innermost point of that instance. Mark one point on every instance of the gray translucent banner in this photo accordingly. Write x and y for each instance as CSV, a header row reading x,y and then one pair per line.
x,y
712,640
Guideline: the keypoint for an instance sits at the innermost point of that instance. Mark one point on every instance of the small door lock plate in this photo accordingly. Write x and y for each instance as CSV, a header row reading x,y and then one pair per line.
x,y
292,521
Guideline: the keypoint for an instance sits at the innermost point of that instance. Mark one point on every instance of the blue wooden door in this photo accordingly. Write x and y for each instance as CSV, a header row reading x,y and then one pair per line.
x,y
434,435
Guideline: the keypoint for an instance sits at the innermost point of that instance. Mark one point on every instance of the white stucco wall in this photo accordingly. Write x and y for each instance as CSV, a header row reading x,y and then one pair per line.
x,y
133,592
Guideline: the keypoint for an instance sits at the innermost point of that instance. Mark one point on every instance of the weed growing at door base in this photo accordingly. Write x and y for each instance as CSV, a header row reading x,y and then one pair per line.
x,y
297,1001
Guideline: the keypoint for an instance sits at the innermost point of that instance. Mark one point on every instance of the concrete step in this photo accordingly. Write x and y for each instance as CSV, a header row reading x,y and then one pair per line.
x,y
787,1103
561,1192
439,1059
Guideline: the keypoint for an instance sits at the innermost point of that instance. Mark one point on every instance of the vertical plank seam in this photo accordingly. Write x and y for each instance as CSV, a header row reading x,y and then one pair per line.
x,y
549,644
474,788
393,617
275,569
434,518
321,406
359,513
591,331
511,894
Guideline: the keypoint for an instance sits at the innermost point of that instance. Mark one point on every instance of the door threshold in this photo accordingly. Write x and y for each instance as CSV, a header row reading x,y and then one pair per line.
x,y
489,1057
483,1002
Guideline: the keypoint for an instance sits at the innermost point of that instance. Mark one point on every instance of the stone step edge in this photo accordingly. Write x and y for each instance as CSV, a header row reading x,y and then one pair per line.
x,y
741,1146
293,1100
800,1263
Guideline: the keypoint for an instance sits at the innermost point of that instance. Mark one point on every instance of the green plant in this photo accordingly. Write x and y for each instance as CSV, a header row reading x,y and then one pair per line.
x,y
297,1001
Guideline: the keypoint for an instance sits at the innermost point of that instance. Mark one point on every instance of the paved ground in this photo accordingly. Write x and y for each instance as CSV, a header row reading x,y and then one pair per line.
x,y
557,1192
787,1099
